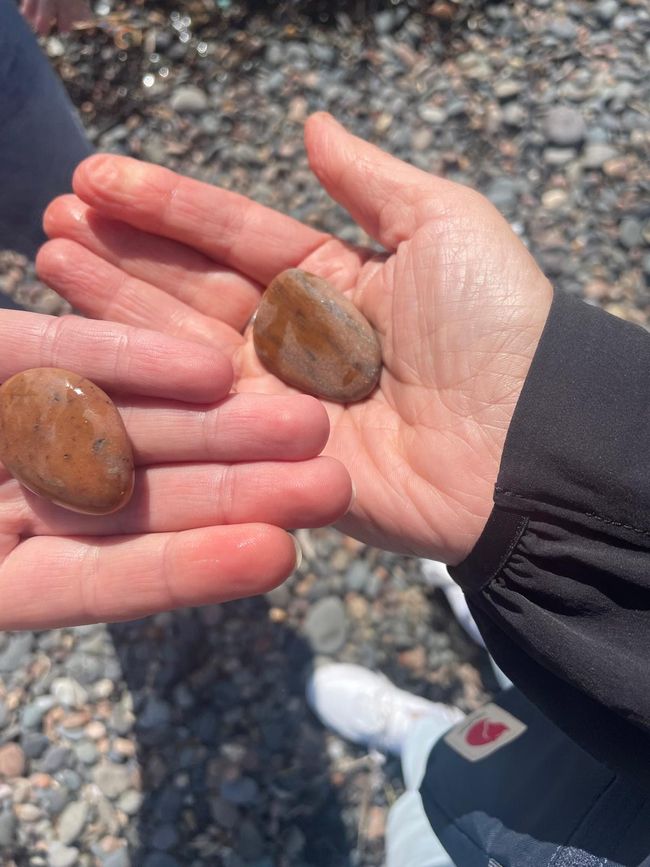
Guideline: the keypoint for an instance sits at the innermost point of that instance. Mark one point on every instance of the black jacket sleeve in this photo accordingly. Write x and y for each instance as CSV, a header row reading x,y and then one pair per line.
x,y
559,581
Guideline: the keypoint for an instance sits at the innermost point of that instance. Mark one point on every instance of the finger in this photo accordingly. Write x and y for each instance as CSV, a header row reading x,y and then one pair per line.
x,y
244,427
116,357
170,498
184,273
44,17
71,13
96,288
389,198
28,9
47,581
225,226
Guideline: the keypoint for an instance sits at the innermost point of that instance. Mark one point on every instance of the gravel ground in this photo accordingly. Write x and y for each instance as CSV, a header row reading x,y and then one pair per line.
x,y
169,741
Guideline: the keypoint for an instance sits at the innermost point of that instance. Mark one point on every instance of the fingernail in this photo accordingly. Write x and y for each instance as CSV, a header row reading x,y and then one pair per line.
x,y
296,545
101,169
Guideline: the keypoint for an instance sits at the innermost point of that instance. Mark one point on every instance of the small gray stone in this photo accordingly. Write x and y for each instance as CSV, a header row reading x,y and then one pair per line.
x,y
564,126
240,791
275,54
326,625
53,801
4,713
72,821
563,28
70,779
596,155
155,715
189,100
432,114
56,758
630,232
503,193
62,856
119,858
597,135
374,586
456,107
558,156
34,712
223,813
385,21
606,10
68,692
34,744
54,47
475,65
515,114
356,576
14,655
164,837
8,824
280,596
622,92
121,719
324,54
85,668
107,817
86,752
645,264
130,802
250,844
507,88
112,779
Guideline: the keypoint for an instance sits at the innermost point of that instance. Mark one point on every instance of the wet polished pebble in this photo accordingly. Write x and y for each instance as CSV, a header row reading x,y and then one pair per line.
x,y
62,437
311,337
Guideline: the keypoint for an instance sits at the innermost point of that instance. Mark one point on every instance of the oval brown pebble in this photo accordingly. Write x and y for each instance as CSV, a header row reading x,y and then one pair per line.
x,y
310,336
62,437
12,760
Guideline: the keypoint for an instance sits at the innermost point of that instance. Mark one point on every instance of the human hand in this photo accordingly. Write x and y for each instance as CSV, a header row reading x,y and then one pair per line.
x,y
457,301
218,476
61,15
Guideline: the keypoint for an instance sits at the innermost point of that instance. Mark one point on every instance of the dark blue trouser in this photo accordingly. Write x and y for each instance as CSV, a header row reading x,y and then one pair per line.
x,y
41,138
538,801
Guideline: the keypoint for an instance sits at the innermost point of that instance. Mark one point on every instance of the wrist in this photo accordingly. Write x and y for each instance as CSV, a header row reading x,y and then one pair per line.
x,y
488,438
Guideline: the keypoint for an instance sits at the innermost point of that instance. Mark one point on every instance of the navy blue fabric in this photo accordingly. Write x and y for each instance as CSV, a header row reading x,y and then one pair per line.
x,y
539,801
41,139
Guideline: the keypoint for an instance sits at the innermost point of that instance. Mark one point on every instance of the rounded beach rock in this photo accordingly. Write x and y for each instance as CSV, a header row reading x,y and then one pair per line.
x,y
62,438
311,337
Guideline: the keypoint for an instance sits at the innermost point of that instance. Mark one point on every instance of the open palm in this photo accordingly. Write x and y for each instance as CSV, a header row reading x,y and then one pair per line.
x,y
457,301
218,477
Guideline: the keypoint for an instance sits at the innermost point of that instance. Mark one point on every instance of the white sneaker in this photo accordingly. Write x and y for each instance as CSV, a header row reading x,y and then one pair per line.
x,y
366,708
436,575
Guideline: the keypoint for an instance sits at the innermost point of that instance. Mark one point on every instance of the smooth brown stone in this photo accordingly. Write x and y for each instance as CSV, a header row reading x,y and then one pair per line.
x,y
62,437
12,761
310,336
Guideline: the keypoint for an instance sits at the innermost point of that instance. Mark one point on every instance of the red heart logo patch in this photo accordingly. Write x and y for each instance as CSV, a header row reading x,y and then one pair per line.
x,y
484,732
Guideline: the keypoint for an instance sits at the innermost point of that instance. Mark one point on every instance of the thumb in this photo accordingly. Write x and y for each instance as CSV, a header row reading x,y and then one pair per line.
x,y
387,197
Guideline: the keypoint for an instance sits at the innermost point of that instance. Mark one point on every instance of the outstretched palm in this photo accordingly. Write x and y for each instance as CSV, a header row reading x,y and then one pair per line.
x,y
457,301
217,479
